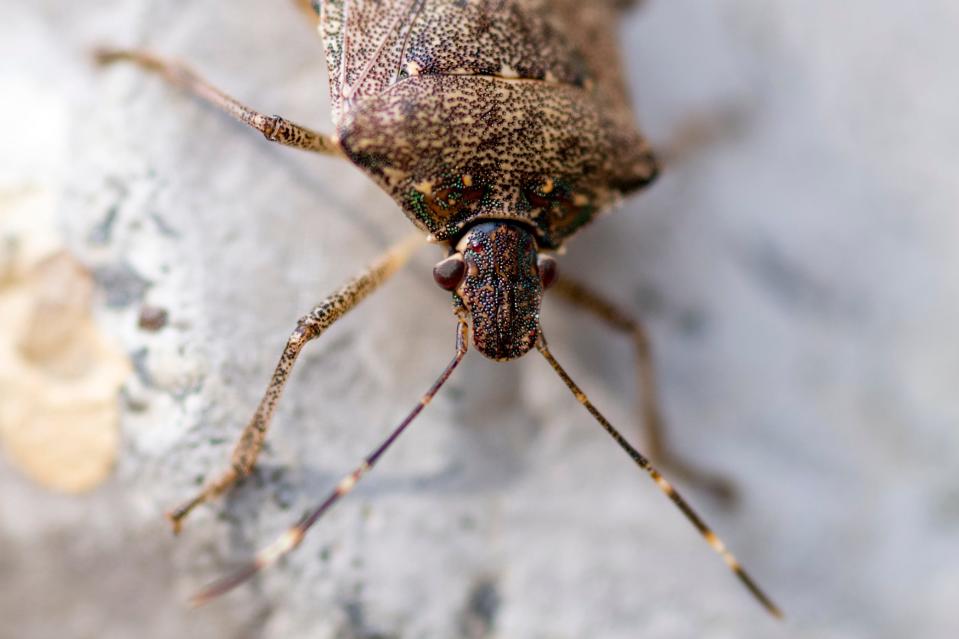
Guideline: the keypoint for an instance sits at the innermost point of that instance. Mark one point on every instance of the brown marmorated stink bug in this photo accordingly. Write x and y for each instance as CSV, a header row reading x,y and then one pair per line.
x,y
500,127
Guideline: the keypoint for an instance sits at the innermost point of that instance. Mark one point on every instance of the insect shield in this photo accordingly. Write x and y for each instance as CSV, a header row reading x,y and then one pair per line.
x,y
500,129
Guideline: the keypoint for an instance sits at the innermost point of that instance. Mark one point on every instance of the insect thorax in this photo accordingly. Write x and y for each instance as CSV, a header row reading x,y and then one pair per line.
x,y
513,109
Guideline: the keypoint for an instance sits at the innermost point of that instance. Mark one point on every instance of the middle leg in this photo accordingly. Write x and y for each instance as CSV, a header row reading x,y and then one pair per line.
x,y
308,328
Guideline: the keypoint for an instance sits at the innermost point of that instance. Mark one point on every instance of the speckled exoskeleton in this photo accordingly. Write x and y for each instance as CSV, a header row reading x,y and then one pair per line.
x,y
500,128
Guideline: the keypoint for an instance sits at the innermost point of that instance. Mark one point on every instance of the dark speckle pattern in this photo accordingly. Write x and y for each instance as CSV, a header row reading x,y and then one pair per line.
x,y
502,288
486,109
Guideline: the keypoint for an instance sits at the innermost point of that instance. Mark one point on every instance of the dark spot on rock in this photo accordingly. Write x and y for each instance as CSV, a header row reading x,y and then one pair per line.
x,y
133,403
121,284
139,360
478,618
103,231
152,318
163,226
356,625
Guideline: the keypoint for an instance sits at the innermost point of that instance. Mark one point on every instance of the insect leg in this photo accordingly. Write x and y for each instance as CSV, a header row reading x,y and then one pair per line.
x,y
273,127
661,482
585,298
292,537
309,327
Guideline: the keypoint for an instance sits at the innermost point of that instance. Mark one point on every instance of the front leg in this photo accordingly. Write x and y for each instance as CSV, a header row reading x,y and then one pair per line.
x,y
309,327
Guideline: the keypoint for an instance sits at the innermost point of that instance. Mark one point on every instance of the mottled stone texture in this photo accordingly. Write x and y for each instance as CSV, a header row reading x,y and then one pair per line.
x,y
796,264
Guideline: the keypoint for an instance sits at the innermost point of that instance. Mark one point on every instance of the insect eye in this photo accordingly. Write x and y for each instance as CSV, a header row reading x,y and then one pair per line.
x,y
548,270
449,273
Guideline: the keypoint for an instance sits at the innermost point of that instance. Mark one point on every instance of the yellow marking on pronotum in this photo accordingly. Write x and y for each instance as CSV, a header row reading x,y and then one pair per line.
x,y
395,175
425,187
467,180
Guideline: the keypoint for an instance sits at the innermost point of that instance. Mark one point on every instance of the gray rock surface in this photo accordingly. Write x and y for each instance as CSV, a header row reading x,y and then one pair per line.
x,y
797,269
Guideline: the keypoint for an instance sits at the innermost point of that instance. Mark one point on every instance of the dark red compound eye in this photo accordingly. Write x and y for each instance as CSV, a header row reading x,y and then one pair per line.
x,y
449,273
548,270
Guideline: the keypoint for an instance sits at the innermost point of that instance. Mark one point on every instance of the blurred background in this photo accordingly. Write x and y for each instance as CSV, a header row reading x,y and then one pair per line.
x,y
796,266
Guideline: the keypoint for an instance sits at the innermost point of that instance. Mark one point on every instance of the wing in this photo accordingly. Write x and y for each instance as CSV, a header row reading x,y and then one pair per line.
x,y
373,44
477,109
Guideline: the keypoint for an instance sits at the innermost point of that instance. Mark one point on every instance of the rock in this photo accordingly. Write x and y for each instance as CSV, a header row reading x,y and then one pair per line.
x,y
796,266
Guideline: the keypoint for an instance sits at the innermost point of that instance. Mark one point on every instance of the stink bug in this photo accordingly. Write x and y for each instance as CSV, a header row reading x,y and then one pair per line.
x,y
500,128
